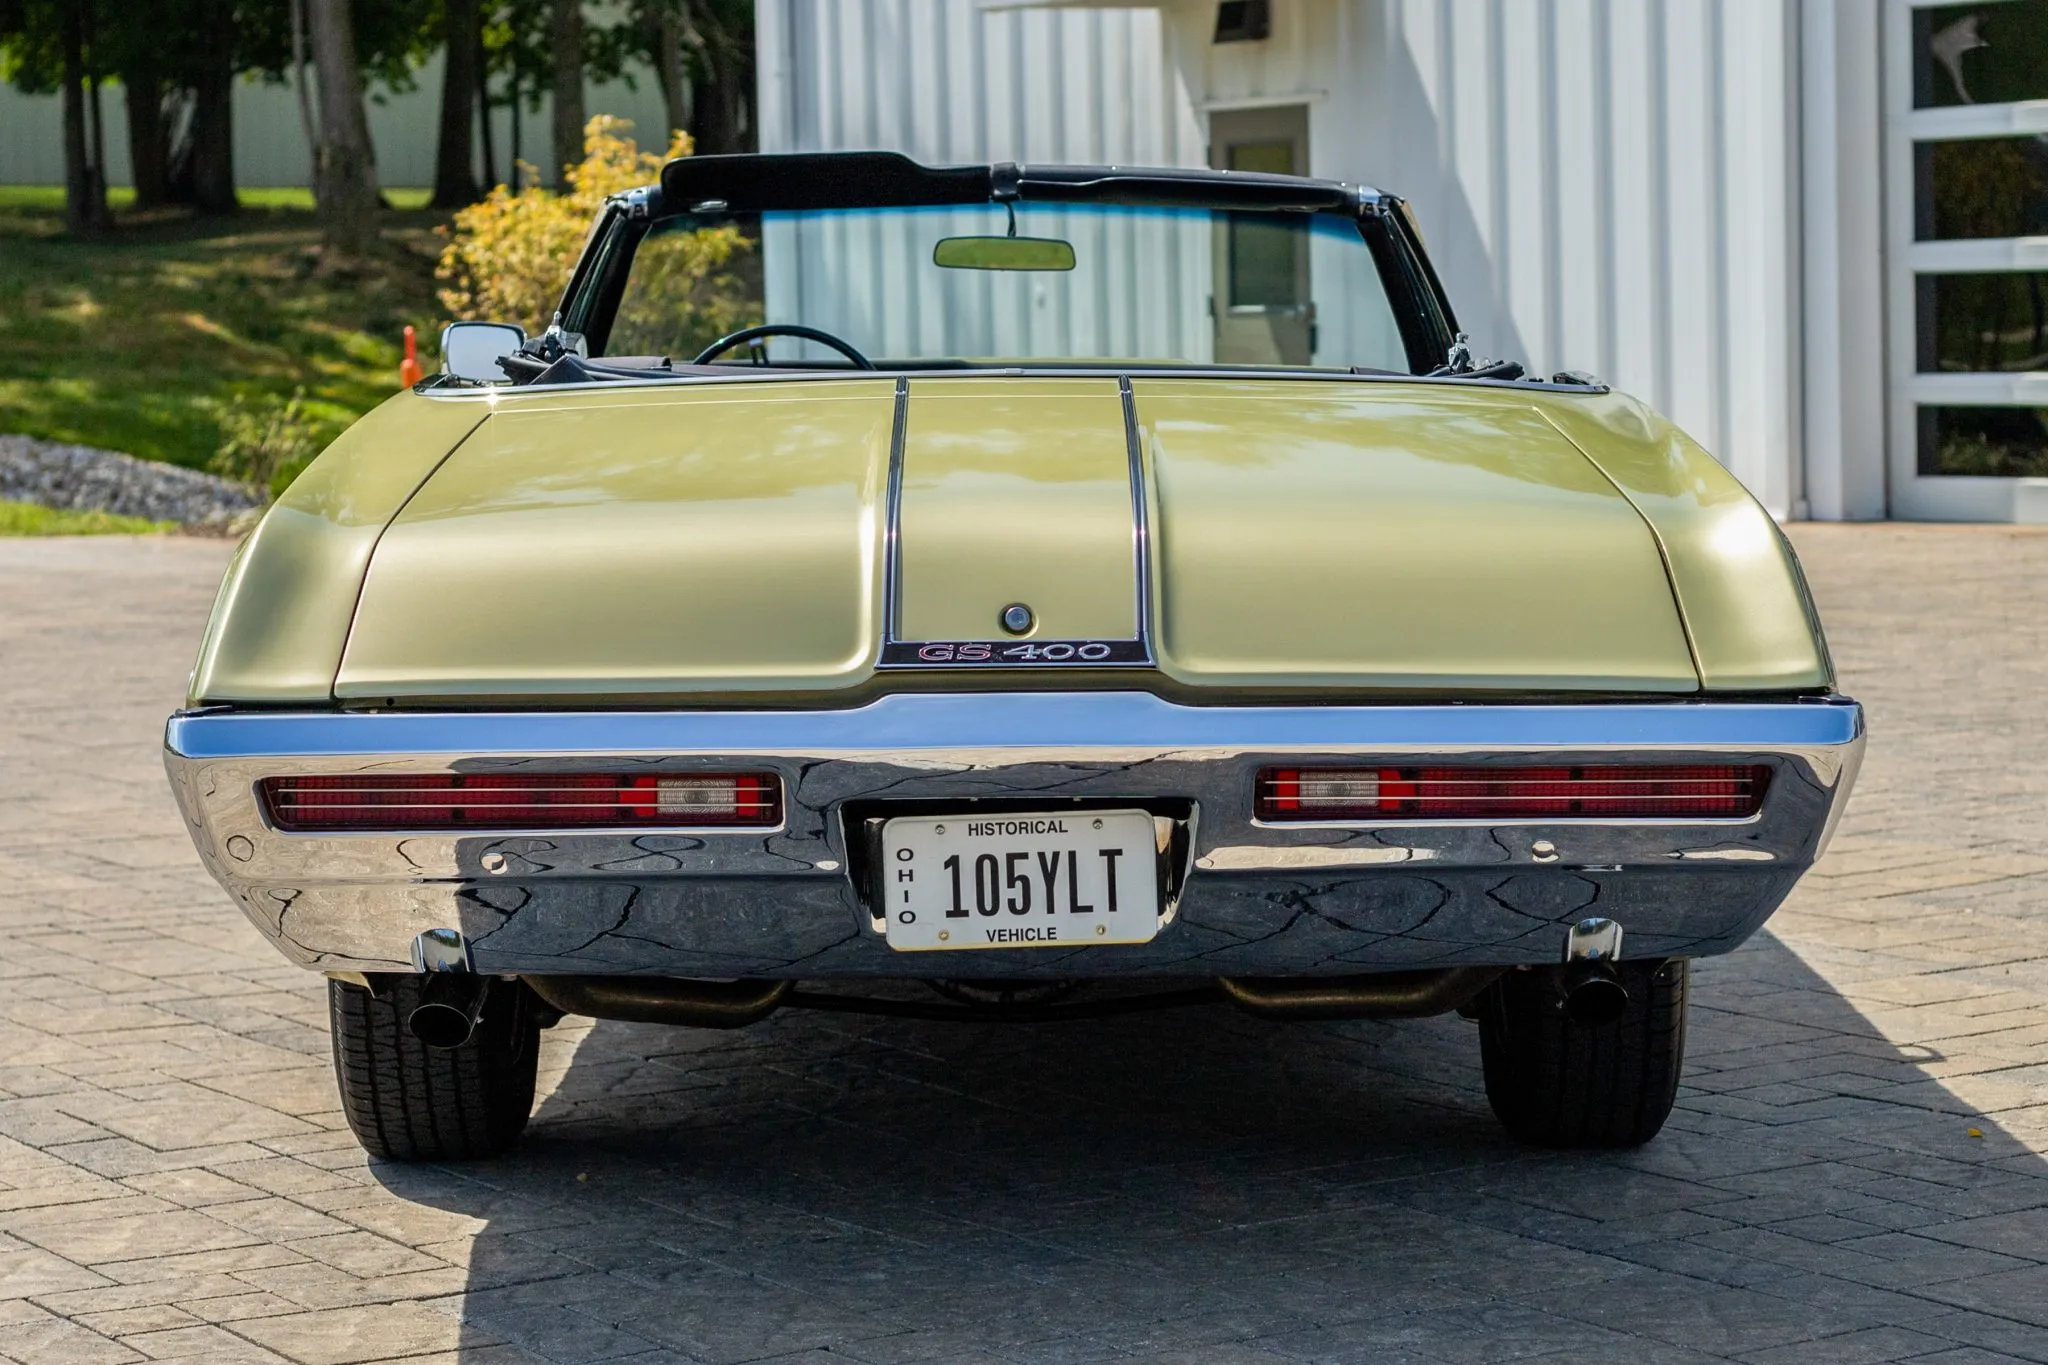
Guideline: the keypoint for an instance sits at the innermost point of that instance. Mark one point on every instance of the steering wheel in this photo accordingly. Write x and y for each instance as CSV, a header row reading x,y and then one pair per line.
x,y
778,329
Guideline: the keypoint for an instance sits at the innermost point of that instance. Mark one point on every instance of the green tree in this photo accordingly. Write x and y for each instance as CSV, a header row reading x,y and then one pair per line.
x,y
521,54
720,38
702,54
50,45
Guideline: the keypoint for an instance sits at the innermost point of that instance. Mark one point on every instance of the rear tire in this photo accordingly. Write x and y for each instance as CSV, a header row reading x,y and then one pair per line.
x,y
406,1101
1554,1082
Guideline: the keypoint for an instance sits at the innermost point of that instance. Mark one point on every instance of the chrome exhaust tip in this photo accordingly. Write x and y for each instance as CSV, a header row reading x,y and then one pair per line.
x,y
447,1012
1593,994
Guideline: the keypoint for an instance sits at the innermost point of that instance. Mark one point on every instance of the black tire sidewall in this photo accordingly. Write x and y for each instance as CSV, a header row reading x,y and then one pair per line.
x,y
406,1101
1554,1082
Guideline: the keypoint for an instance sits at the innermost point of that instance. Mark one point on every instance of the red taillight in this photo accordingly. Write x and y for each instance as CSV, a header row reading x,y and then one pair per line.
x,y
466,801
1704,791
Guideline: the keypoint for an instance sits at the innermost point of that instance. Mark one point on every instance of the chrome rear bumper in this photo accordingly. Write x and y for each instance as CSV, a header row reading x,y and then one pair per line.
x,y
1246,898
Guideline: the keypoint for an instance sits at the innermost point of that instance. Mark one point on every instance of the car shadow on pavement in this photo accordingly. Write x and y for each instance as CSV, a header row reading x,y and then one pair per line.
x,y
1205,1183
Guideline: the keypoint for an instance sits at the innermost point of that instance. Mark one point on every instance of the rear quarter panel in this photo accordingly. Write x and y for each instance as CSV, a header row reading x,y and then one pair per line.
x,y
284,609
1738,582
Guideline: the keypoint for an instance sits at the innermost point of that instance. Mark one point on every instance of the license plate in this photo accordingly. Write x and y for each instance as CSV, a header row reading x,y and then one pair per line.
x,y
1063,880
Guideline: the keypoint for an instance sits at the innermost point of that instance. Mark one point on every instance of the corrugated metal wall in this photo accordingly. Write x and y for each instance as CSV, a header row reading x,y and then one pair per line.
x,y
1606,185
947,80
1609,185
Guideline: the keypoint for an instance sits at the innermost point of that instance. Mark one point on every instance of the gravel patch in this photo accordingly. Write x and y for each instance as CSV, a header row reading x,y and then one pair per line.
x,y
80,478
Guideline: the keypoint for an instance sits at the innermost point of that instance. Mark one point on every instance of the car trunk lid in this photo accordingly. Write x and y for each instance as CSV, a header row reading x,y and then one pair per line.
x,y
1395,536
733,539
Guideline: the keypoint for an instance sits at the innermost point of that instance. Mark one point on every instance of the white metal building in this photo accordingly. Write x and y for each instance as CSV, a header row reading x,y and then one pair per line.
x,y
1728,207
270,137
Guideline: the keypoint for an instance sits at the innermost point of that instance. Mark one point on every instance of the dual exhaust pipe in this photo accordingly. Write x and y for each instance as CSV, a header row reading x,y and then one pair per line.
x,y
452,995
451,999
450,1003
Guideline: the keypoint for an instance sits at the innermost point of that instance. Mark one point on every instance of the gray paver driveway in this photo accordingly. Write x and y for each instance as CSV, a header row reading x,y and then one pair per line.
x,y
1855,1172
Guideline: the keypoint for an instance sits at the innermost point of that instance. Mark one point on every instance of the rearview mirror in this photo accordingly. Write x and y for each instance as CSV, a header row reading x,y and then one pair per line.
x,y
1003,253
470,350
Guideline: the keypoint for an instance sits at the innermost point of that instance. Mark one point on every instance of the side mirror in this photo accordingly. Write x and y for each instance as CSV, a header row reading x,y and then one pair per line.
x,y
470,350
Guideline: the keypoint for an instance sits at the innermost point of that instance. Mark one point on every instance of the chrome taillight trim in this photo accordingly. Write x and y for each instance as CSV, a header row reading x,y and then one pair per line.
x,y
1079,724
1432,787
282,805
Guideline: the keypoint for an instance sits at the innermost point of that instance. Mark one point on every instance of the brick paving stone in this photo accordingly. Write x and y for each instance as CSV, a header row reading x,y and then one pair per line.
x,y
40,1338
345,1336
175,1181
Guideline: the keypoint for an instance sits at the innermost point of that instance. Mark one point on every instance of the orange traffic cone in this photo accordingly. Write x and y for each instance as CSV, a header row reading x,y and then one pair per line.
x,y
409,372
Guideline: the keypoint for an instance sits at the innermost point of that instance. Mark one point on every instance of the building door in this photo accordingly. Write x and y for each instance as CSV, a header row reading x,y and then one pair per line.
x,y
1966,188
1262,305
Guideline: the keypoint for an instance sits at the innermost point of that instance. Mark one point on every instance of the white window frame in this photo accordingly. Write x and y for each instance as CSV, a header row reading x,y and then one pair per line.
x,y
1946,497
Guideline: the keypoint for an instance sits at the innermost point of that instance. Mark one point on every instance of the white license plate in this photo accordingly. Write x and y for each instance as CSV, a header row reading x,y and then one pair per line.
x,y
1054,880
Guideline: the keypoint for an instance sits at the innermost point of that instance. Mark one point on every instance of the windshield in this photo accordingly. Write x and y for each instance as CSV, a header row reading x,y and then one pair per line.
x,y
979,284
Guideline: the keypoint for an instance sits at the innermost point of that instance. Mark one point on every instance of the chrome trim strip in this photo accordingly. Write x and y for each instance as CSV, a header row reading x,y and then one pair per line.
x,y
892,524
1141,534
399,831
497,393
897,653
1118,725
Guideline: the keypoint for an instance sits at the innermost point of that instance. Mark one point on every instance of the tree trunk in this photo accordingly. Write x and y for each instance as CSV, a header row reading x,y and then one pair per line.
x,y
344,175
213,127
301,86
719,104
567,33
668,69
512,82
85,190
96,120
96,124
455,156
149,151
715,127
483,105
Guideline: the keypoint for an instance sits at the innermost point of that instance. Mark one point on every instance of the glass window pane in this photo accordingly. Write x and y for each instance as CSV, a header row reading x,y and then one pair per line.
x,y
1978,323
1265,254
688,287
1986,187
2012,442
1980,54
1142,289
1265,260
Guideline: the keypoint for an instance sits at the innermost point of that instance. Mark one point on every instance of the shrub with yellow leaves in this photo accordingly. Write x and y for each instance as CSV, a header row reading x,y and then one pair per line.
x,y
508,257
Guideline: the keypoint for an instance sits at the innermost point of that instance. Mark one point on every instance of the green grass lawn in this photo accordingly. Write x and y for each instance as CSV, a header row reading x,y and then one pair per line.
x,y
50,198
30,519
128,343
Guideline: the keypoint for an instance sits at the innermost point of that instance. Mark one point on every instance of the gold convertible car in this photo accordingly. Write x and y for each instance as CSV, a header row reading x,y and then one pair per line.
x,y
1093,589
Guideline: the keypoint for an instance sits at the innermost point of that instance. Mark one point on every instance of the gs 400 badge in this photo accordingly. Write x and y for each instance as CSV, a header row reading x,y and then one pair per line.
x,y
1011,653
